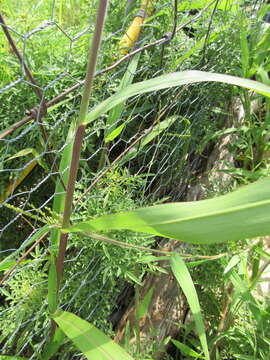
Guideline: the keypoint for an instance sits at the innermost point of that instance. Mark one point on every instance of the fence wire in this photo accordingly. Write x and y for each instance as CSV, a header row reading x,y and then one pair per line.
x,y
152,159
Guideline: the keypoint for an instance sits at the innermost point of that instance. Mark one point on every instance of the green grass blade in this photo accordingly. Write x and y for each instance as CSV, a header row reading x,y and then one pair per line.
x,y
263,253
244,213
60,194
93,343
169,81
158,129
9,264
144,304
243,294
184,279
114,133
54,344
24,152
232,263
186,350
262,49
244,357
59,198
155,132
116,112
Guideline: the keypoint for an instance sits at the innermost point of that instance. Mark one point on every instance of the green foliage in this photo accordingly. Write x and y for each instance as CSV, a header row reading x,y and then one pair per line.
x,y
103,268
117,191
24,299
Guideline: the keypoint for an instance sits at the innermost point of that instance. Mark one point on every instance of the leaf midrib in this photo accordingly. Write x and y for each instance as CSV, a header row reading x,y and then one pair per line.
x,y
208,215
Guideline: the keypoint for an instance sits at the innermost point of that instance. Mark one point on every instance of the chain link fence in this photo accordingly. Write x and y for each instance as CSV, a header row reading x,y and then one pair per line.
x,y
150,152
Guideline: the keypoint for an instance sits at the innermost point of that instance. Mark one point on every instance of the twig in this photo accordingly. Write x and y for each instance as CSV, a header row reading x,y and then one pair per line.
x,y
11,270
224,321
156,251
123,244
37,112
36,88
208,30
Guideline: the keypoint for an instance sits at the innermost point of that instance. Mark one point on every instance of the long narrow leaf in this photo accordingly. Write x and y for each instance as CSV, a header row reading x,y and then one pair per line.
x,y
116,112
93,343
172,80
232,263
9,264
59,198
52,347
186,350
155,132
60,194
144,304
184,279
244,213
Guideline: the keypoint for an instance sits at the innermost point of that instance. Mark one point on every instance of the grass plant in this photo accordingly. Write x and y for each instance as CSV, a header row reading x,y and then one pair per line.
x,y
244,212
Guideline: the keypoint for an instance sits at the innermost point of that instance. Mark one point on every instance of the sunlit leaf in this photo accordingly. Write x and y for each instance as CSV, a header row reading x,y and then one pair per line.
x,y
263,253
185,281
244,213
117,131
186,350
232,263
199,4
24,152
93,343
144,304
111,132
169,81
9,264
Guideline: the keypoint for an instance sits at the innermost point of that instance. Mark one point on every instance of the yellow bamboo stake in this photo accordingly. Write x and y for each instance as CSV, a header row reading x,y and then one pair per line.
x,y
133,32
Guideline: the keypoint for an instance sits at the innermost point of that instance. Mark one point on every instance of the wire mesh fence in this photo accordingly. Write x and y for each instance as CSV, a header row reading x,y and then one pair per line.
x,y
144,152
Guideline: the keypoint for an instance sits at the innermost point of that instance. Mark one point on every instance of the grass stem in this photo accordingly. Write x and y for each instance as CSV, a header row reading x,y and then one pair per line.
x,y
92,56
